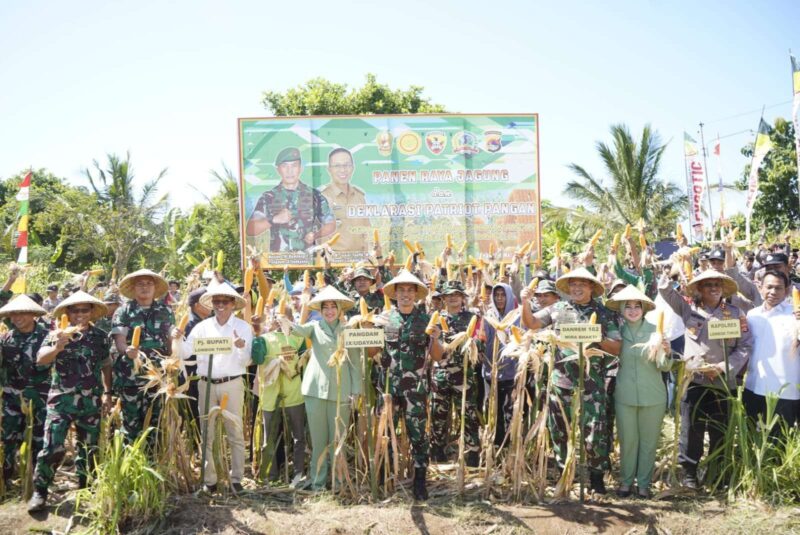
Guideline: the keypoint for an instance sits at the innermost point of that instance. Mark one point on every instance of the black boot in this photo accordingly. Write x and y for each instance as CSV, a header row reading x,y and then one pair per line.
x,y
473,459
596,483
420,492
689,475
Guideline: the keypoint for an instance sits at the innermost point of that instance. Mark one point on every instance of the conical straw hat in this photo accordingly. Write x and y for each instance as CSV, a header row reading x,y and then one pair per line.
x,y
404,277
329,293
729,286
630,293
222,290
129,281
99,308
581,273
22,304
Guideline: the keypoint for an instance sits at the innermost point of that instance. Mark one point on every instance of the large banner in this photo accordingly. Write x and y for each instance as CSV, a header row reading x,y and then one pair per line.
x,y
695,185
413,178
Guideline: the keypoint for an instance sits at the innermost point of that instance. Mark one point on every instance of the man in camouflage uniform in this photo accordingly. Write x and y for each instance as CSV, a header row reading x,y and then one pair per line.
x,y
21,379
448,382
405,357
583,290
143,288
81,375
295,215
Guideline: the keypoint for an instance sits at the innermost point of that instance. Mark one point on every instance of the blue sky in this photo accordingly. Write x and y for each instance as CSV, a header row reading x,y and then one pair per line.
x,y
167,80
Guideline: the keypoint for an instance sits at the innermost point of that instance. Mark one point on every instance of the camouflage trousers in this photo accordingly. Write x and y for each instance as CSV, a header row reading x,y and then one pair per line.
x,y
594,421
413,407
14,423
135,406
81,407
447,389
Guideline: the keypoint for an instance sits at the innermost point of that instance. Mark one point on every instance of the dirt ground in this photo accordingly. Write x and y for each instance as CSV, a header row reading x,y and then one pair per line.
x,y
282,513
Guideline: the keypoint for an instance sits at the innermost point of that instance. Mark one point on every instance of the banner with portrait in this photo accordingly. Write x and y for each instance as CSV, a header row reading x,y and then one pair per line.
x,y
412,178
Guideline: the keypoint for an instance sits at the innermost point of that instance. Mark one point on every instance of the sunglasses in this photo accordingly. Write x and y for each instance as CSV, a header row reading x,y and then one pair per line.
x,y
221,301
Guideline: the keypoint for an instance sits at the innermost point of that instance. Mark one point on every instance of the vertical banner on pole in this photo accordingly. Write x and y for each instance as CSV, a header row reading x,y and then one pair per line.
x,y
762,146
695,186
19,286
795,110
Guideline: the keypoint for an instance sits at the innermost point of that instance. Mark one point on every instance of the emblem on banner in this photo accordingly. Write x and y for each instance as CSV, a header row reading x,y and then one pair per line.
x,y
409,143
436,142
384,142
465,143
492,140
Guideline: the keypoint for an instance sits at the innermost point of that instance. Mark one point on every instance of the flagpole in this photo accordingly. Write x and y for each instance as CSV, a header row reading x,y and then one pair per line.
x,y
708,184
688,194
796,121
750,208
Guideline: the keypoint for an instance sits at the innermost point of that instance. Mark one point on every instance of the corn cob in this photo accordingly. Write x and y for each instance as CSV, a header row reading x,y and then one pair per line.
x,y
306,278
660,323
137,335
387,303
443,323
796,299
533,284
363,308
333,239
409,246
96,272
183,322
483,292
263,285
628,231
471,327
517,334
615,242
679,232
687,270
593,318
270,297
64,322
448,240
434,321
595,238
220,260
223,403
260,306
375,236
248,280
320,280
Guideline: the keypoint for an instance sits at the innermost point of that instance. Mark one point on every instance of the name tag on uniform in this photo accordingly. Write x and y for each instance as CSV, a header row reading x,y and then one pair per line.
x,y
216,344
721,329
358,338
580,332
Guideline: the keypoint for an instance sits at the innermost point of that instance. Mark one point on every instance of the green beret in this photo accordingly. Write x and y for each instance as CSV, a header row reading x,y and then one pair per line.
x,y
289,154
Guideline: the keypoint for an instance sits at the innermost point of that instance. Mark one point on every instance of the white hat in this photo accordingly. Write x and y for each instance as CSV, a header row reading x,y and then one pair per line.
x,y
224,290
630,293
329,293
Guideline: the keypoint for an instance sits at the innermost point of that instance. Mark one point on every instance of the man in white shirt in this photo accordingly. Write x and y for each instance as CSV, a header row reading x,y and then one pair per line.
x,y
774,366
227,373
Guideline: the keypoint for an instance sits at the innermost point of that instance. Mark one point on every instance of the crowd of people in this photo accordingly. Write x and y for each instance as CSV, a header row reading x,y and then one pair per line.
x,y
69,358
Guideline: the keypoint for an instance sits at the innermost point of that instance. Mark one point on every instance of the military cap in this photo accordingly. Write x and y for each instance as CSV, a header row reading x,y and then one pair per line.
x,y
716,254
111,297
195,295
545,286
453,287
363,272
289,154
773,259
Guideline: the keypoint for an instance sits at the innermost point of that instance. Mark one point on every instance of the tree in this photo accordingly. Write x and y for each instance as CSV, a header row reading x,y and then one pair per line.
x,y
776,208
633,189
319,96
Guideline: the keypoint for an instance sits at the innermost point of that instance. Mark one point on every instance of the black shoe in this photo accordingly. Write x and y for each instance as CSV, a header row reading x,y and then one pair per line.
x,y
623,492
689,476
210,489
596,483
420,491
237,488
644,494
82,482
37,501
473,459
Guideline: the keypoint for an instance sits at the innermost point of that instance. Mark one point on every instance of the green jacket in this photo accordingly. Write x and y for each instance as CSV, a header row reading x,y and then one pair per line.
x,y
267,348
639,380
319,379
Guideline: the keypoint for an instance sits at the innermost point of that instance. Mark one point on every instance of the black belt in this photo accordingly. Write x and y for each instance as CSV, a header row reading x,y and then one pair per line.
x,y
221,379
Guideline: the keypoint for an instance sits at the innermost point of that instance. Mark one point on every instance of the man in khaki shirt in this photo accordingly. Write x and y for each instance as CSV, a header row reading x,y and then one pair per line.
x,y
340,194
